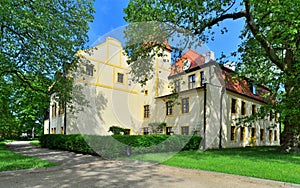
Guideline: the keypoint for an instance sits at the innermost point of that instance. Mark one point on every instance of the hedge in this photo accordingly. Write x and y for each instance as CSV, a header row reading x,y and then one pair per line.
x,y
120,145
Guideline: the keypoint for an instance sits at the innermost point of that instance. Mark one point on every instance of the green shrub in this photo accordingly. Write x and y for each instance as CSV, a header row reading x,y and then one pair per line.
x,y
117,145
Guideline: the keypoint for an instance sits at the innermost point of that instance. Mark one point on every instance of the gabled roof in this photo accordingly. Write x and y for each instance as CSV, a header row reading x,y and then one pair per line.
x,y
243,86
239,85
195,58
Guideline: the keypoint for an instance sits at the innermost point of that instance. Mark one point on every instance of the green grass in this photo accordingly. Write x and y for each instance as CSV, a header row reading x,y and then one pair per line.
x,y
12,161
35,142
259,162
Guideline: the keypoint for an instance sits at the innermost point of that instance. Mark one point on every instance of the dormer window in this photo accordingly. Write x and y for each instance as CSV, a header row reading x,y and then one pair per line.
x,y
202,78
253,89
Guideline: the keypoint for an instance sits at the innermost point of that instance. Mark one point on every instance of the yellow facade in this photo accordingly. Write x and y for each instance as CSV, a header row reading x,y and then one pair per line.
x,y
113,99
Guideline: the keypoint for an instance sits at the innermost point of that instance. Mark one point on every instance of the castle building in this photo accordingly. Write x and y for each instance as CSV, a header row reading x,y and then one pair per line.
x,y
191,96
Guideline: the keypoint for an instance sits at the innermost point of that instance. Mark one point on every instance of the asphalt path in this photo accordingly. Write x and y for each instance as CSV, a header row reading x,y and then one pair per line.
x,y
77,170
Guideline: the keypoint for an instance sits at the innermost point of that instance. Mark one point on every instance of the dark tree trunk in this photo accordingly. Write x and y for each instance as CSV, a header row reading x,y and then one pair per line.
x,y
289,138
290,135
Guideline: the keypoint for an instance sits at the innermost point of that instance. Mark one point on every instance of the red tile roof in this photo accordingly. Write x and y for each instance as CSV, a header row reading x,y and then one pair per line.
x,y
238,85
195,58
243,86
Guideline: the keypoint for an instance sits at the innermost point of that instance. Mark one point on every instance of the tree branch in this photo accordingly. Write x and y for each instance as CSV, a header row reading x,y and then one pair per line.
x,y
23,79
223,17
261,39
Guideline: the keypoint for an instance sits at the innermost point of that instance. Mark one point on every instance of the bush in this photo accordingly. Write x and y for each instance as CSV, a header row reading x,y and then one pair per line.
x,y
74,143
118,145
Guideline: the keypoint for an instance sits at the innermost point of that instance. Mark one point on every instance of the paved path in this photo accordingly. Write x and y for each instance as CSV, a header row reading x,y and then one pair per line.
x,y
89,171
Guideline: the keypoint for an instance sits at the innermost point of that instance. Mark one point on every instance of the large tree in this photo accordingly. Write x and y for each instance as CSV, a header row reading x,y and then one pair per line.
x,y
38,42
269,52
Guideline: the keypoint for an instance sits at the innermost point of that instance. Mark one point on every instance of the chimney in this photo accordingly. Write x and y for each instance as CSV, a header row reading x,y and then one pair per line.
x,y
209,56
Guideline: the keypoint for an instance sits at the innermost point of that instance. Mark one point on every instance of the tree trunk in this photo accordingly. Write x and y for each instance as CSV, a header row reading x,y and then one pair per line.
x,y
289,138
290,135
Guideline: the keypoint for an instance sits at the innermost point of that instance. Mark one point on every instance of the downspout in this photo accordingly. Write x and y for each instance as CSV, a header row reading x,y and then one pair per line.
x,y
49,124
65,119
221,117
204,119
49,120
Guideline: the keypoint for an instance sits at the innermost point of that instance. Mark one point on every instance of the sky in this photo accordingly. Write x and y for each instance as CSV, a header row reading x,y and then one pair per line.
x,y
109,16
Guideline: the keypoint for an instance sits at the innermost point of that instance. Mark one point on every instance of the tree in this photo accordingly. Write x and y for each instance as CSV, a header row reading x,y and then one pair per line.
x,y
269,52
38,41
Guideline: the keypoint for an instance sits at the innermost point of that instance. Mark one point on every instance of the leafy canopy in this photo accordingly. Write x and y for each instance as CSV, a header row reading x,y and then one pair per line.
x,y
38,43
269,50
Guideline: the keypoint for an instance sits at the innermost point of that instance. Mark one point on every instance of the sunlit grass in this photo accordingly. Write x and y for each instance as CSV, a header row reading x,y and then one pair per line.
x,y
35,142
260,162
12,161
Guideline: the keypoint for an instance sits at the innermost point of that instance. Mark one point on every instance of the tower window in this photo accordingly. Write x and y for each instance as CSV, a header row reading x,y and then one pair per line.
x,y
146,111
120,77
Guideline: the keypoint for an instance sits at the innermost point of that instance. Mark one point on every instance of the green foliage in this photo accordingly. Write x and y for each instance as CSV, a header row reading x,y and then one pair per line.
x,y
115,146
74,143
271,28
157,127
38,43
116,130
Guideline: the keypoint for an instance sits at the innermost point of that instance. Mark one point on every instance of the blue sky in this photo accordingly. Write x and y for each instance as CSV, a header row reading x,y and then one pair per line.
x,y
109,16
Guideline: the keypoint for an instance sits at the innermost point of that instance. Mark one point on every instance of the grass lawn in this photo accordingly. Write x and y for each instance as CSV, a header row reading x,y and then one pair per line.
x,y
12,161
35,142
260,162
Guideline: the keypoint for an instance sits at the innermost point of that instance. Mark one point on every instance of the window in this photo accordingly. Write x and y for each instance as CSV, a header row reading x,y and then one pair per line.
x,y
271,115
146,92
61,130
168,130
120,77
146,111
232,133
185,105
54,130
89,70
177,86
145,130
169,108
276,118
275,135
253,109
54,110
185,130
243,134
270,135
233,106
202,79
253,132
262,136
243,109
192,81
253,89
60,109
